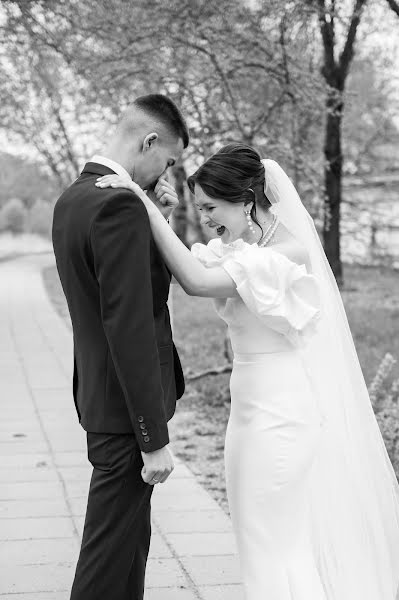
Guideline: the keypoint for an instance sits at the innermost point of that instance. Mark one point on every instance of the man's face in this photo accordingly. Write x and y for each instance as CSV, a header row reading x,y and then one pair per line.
x,y
155,158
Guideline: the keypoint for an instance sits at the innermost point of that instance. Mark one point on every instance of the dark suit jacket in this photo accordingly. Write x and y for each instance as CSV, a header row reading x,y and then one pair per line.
x,y
127,373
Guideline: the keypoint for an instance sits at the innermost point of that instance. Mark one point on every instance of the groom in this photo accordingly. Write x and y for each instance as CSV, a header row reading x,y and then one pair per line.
x,y
127,373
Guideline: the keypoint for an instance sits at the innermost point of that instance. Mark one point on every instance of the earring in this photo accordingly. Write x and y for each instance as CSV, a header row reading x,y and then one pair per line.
x,y
249,221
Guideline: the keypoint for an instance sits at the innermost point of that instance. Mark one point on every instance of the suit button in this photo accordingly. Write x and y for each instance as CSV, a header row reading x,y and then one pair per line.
x,y
146,439
140,419
144,432
142,426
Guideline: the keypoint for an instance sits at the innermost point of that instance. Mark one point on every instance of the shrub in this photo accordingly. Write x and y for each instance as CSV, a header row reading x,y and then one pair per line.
x,y
40,218
384,395
13,216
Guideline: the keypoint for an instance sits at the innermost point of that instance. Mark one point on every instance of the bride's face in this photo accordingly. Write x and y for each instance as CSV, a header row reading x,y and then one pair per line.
x,y
226,219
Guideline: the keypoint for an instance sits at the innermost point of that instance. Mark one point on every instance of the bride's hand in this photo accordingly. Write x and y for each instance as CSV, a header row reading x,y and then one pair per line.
x,y
116,181
164,196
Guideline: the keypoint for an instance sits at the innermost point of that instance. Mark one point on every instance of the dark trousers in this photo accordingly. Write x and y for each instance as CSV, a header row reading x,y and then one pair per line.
x,y
117,529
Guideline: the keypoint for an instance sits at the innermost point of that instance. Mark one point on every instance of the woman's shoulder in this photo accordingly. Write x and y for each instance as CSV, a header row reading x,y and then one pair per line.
x,y
287,245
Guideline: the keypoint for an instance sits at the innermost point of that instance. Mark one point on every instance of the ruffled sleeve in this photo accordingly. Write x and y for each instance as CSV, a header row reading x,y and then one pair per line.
x,y
278,291
211,254
281,293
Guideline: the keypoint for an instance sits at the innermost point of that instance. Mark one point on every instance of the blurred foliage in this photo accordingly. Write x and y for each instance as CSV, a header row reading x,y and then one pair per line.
x,y
39,219
25,179
384,394
13,216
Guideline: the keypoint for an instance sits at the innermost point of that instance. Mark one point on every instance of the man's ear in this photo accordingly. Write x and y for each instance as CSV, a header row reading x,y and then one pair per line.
x,y
149,140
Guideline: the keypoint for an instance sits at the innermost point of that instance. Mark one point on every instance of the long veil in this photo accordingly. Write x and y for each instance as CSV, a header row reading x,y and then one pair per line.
x,y
353,496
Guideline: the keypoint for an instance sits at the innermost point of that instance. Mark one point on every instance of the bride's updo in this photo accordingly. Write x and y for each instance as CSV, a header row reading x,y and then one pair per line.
x,y
235,174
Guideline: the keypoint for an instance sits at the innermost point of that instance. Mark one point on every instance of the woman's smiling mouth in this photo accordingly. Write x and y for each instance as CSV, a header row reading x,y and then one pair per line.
x,y
220,229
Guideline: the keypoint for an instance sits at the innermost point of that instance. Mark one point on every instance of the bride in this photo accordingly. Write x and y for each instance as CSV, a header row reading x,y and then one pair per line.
x,y
313,497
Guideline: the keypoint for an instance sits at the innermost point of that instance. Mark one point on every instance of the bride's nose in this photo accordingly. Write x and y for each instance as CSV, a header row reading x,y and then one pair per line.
x,y
204,220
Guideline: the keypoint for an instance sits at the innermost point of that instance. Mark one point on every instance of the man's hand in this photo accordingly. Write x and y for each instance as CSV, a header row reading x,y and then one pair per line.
x,y
164,197
158,465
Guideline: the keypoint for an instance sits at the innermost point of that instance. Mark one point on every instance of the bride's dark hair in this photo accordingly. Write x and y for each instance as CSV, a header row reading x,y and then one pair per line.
x,y
235,174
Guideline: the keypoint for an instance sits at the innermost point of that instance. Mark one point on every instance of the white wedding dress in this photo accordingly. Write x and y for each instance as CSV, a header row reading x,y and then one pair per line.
x,y
275,424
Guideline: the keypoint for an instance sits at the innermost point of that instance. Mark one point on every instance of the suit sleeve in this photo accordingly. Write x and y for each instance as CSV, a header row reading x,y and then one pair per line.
x,y
120,239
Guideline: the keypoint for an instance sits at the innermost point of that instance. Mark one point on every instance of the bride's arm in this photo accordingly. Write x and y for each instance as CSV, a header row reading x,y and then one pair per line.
x,y
192,275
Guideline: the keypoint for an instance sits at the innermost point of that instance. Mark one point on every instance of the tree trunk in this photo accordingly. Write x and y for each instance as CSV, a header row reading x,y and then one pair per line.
x,y
180,212
332,182
335,72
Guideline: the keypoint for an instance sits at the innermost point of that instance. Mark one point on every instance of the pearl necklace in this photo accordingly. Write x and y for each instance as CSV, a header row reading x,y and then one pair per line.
x,y
271,230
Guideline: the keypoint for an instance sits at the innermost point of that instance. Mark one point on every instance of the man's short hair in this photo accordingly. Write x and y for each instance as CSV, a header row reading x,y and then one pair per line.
x,y
164,110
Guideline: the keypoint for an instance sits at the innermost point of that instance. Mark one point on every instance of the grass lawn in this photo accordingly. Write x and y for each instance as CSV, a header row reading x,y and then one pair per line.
x,y
197,430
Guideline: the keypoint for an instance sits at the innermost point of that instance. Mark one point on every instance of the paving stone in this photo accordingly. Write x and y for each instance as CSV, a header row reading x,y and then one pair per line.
x,y
195,521
180,472
21,447
164,572
8,425
212,570
45,378
65,444
77,489
54,397
82,473
32,490
200,500
223,592
16,412
25,460
71,459
36,528
17,509
15,394
28,475
180,486
169,594
15,388
202,544
61,422
39,596
159,548
78,506
38,551
79,524
18,436
39,578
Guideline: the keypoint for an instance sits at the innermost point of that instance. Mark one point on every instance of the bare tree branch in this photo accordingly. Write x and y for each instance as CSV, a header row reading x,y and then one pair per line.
x,y
207,372
348,51
327,34
394,6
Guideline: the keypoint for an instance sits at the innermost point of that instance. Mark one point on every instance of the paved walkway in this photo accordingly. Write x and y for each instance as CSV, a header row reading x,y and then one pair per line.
x,y
44,473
